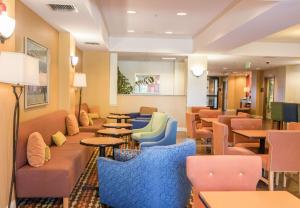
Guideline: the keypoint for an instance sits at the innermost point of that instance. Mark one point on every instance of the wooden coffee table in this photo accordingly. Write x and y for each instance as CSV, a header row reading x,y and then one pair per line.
x,y
119,118
117,125
102,143
113,132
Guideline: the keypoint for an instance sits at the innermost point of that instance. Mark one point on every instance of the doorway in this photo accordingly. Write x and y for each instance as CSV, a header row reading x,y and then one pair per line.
x,y
224,95
213,92
269,83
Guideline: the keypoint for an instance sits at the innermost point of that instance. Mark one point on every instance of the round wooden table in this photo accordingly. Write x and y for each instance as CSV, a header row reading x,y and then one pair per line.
x,y
102,143
113,132
120,114
117,125
119,118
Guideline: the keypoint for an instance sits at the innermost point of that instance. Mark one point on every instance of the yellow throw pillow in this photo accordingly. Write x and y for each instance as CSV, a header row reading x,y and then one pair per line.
x,y
59,138
47,153
72,125
36,150
93,115
91,122
84,119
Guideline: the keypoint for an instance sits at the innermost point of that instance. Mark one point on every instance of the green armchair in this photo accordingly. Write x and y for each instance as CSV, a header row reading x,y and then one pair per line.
x,y
154,131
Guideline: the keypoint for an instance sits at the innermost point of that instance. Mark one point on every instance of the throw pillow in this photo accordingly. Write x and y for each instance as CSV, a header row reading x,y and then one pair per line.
x,y
59,138
93,115
47,153
36,150
124,155
91,122
72,125
84,119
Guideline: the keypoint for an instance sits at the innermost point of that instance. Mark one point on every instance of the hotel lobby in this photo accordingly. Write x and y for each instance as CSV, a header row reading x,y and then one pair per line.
x,y
150,103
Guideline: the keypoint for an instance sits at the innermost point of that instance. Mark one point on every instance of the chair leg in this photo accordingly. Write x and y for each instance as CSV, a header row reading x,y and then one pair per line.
x,y
66,202
284,179
271,181
277,175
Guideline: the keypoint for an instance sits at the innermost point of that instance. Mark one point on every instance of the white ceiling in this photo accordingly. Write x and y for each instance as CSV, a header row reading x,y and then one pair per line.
x,y
154,17
248,30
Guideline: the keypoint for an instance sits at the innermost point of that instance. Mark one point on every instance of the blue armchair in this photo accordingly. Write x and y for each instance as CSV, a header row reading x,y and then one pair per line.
x,y
168,139
155,178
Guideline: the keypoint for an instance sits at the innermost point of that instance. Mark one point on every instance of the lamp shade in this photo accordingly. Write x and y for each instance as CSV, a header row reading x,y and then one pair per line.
x,y
79,80
18,68
7,25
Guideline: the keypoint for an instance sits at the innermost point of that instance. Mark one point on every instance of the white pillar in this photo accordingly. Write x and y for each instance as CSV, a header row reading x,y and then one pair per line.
x,y
196,86
113,78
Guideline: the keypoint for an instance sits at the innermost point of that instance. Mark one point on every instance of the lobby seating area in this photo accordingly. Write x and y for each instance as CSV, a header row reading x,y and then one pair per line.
x,y
149,104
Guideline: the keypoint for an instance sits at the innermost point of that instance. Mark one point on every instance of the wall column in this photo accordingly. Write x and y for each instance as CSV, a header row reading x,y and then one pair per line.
x,y
196,86
66,72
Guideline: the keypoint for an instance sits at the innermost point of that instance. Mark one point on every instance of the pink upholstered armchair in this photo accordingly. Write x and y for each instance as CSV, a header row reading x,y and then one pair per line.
x,y
226,119
245,124
223,173
283,154
196,109
220,142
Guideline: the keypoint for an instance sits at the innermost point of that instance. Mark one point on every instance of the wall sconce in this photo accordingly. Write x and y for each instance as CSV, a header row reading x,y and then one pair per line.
x,y
197,70
74,60
7,24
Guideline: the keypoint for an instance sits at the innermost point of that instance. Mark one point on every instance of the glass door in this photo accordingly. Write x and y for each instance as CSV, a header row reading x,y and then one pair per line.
x,y
212,92
269,96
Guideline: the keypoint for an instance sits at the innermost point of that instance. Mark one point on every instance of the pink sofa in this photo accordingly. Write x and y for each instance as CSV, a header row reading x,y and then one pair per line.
x,y
97,122
57,177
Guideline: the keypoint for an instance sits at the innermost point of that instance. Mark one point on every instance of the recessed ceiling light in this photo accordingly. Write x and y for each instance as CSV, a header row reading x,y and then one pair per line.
x,y
181,13
168,58
168,32
130,31
131,12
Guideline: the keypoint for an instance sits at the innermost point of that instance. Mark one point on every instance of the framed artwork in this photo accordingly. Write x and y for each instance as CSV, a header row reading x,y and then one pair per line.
x,y
147,84
38,95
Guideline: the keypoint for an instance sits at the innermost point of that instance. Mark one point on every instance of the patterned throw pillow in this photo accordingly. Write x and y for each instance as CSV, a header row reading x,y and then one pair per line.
x,y
72,125
124,155
36,150
84,118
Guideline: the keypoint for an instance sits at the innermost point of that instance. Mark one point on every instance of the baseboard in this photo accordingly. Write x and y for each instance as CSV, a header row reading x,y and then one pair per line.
x,y
13,204
181,129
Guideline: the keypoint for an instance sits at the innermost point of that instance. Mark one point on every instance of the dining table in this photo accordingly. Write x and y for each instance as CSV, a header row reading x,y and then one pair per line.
x,y
249,199
255,134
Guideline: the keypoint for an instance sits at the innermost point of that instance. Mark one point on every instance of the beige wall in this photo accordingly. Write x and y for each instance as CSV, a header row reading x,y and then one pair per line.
x,y
292,85
30,25
236,86
280,82
78,67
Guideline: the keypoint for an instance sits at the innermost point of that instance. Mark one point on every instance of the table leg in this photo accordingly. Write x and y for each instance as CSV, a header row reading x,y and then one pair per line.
x,y
262,147
119,120
101,151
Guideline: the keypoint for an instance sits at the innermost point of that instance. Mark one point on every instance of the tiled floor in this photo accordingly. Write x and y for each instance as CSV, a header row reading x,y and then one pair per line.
x,y
292,179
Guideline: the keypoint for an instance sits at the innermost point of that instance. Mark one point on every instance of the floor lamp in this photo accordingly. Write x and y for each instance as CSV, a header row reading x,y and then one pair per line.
x,y
18,70
79,82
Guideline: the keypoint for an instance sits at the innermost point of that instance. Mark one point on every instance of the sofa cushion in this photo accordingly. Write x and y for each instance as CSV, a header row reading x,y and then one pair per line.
x,y
36,150
97,124
84,118
59,138
58,176
72,125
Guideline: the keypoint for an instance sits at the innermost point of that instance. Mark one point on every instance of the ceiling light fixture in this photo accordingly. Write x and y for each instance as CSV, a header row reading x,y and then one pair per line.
x,y
168,32
7,24
168,58
181,13
130,31
131,12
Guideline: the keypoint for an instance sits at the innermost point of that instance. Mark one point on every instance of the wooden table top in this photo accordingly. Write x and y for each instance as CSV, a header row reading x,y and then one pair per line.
x,y
119,114
251,133
117,125
209,120
249,199
101,141
118,117
114,131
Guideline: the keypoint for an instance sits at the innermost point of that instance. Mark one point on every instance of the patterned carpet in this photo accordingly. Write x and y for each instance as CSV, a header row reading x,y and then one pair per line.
x,y
80,197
